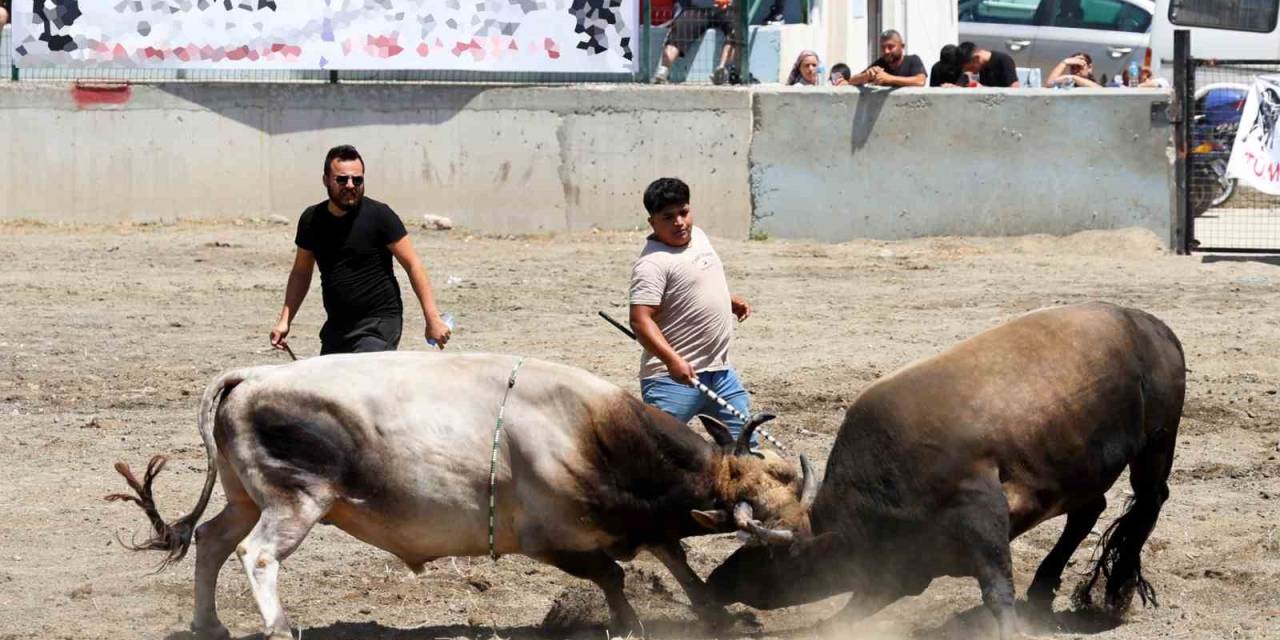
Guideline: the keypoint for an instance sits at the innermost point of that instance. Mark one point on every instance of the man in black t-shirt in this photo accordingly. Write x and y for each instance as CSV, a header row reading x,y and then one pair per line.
x,y
352,239
994,68
894,68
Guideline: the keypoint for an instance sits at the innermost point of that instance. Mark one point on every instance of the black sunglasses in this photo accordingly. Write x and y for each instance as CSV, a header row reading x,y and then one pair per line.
x,y
355,180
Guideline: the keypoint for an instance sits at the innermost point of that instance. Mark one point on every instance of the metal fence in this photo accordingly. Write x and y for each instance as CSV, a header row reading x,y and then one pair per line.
x,y
1221,214
702,38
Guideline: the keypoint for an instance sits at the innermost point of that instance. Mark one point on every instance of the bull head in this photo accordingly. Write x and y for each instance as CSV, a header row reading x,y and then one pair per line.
x,y
759,486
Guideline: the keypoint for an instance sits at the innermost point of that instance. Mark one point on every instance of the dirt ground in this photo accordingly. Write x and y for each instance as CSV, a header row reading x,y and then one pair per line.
x,y
107,336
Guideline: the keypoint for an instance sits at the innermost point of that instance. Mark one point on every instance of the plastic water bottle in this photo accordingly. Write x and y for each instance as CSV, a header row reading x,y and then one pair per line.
x,y
822,73
448,322
1133,73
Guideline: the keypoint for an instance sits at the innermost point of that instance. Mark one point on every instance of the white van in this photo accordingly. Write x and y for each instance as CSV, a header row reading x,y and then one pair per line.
x,y
1224,29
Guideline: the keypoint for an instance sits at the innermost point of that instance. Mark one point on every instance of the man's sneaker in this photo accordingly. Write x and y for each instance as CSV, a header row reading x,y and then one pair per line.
x,y
660,76
720,76
734,76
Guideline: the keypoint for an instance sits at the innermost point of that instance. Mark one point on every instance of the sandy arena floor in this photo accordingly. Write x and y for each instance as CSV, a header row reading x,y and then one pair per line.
x,y
107,336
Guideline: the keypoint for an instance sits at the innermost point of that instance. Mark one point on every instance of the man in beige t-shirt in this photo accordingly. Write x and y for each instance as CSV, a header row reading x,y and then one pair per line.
x,y
683,314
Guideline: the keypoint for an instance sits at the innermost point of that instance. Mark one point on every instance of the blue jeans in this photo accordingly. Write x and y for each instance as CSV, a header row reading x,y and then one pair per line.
x,y
684,402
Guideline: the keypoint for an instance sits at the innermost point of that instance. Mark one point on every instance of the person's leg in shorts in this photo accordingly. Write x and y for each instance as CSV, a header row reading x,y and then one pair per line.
x,y
728,22
686,29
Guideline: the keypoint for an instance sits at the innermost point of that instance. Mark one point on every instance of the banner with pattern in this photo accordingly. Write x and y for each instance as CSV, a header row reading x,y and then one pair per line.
x,y
586,36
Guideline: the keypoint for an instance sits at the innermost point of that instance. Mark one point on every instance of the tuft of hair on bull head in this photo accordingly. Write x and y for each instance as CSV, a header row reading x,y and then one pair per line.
x,y
765,500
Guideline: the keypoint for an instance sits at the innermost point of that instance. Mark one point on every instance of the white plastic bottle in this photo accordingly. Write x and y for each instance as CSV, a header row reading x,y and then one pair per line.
x,y
448,322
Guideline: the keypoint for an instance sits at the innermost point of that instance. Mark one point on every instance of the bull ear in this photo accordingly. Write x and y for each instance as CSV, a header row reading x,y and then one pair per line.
x,y
719,432
713,520
743,446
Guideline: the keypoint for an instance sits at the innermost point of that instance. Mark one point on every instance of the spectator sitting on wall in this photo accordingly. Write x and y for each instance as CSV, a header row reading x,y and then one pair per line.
x,y
805,71
894,68
1075,70
694,20
949,68
840,74
994,68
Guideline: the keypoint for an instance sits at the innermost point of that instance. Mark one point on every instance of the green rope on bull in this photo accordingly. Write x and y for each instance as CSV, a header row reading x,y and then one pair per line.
x,y
493,459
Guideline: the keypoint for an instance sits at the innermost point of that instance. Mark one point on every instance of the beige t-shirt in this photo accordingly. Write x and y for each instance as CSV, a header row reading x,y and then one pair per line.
x,y
687,285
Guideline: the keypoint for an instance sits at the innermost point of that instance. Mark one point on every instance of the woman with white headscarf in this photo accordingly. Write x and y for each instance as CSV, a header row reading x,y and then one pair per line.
x,y
805,71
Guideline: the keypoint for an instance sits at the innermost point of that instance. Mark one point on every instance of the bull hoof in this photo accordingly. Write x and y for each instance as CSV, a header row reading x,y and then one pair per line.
x,y
625,625
211,632
1037,615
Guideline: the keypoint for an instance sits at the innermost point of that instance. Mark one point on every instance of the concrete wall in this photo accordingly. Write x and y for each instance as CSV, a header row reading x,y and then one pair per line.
x,y
831,164
836,165
496,159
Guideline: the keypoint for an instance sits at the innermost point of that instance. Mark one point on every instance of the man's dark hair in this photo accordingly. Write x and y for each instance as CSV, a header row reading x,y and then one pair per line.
x,y
949,68
665,192
341,152
891,34
842,69
964,52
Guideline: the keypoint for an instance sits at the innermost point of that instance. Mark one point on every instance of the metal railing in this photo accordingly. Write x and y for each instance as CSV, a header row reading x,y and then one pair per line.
x,y
1220,213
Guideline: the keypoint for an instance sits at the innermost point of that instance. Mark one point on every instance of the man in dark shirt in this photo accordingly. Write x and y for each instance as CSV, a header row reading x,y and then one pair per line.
x,y
352,239
994,69
894,68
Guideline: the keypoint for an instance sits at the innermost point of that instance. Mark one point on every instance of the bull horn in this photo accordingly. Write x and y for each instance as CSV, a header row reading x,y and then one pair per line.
x,y
744,518
809,490
743,446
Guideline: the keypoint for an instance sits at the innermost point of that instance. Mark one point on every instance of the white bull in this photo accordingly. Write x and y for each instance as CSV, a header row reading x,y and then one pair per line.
x,y
394,448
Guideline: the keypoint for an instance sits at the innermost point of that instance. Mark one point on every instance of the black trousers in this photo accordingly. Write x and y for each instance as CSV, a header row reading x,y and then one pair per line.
x,y
361,336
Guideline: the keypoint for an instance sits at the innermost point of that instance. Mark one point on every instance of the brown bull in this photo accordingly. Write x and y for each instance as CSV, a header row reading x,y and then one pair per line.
x,y
940,464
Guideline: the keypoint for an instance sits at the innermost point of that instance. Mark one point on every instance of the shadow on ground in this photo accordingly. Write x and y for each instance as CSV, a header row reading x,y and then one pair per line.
x,y
375,631
1264,259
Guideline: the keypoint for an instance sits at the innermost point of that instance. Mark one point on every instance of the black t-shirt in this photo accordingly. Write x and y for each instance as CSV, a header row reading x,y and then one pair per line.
x,y
356,277
999,72
908,66
943,73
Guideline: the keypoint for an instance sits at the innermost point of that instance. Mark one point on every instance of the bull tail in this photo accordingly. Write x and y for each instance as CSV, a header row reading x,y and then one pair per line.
x,y
175,538
1118,559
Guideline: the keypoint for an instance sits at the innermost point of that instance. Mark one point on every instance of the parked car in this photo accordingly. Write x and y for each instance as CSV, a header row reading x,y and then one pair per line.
x,y
1040,33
